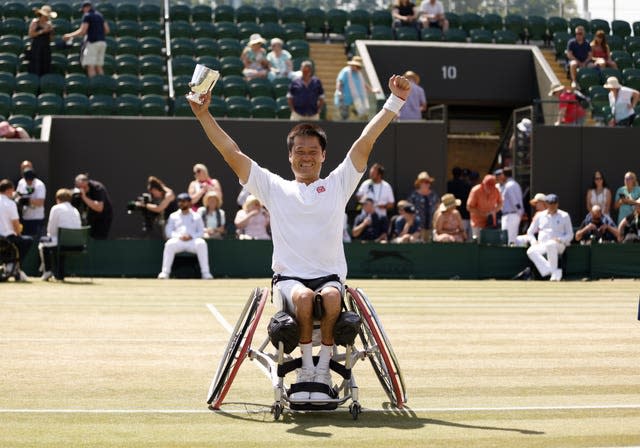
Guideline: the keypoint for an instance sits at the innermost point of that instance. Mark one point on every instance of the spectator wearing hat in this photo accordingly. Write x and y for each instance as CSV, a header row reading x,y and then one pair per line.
x,y
460,187
279,61
432,15
351,94
405,14
407,227
94,206
377,189
597,227
447,223
426,201
570,112
554,233
629,227
512,207
368,225
417,102
622,101
12,132
306,95
31,193
94,29
539,204
213,216
579,54
184,232
254,58
41,33
484,201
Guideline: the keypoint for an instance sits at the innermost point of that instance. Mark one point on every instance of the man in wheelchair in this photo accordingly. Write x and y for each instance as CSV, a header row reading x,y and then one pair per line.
x,y
306,222
14,245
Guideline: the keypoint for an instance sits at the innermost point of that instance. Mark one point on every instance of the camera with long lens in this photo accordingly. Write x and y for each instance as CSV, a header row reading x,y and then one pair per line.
x,y
140,205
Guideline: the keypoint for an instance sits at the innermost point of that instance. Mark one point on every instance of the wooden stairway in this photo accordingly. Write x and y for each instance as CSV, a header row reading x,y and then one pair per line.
x,y
558,69
328,59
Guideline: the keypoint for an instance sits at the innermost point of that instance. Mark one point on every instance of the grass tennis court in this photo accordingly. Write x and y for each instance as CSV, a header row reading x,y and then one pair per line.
x,y
127,363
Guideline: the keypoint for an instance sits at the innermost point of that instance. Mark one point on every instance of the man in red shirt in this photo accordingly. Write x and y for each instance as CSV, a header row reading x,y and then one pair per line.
x,y
569,109
484,200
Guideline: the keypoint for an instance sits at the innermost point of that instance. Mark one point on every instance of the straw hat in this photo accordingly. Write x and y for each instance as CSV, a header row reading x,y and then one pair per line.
x,y
449,201
356,61
555,89
539,197
212,194
423,177
46,11
612,83
256,39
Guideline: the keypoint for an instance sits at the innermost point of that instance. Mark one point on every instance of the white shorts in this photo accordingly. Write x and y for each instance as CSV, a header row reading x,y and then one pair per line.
x,y
93,53
284,289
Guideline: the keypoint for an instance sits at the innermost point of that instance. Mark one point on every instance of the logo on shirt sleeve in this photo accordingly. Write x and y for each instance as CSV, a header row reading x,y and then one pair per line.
x,y
321,189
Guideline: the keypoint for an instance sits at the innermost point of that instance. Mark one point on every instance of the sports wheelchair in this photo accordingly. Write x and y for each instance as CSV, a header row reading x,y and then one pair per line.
x,y
9,260
369,342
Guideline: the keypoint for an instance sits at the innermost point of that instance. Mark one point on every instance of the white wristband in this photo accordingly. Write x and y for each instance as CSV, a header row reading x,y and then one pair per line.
x,y
394,103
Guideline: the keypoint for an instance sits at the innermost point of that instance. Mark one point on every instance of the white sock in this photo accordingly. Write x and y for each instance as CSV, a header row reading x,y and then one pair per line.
x,y
307,355
326,351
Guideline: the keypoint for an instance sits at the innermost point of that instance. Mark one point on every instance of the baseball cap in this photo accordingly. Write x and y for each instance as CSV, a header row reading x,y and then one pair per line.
x,y
183,197
552,198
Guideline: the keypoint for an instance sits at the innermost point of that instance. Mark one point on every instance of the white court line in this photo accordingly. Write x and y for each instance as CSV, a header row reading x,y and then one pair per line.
x,y
109,340
220,318
373,410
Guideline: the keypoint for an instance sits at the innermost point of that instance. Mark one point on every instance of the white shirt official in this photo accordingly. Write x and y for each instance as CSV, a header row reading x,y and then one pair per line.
x,y
39,192
65,216
8,214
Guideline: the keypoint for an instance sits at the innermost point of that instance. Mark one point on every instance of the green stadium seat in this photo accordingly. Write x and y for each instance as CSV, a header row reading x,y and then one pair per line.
x,y
52,83
23,103
608,72
218,107
227,30
293,31
127,104
560,40
632,44
181,107
182,46
12,25
108,11
101,105
153,105
58,63
7,82
315,20
401,33
206,46
127,45
635,26
292,14
127,64
587,77
360,16
246,13
480,36
431,34
181,28
149,12
76,83
234,85
150,29
183,65
455,35
382,32
15,9
27,82
127,11
578,21
615,42
62,25
201,13
620,28
181,84
470,21
269,30
268,14
128,28
37,126
63,10
359,32
127,84
151,45
151,84
246,29
224,13
453,19
505,37
282,108
260,87
231,65
336,21
10,43
180,11
263,107
492,22
109,66
515,23
8,62
493,237
238,107
101,85
537,27
298,48
204,29
557,24
50,104
229,47
622,59
24,121
599,24
112,47
5,104
152,64
280,86
76,104
381,17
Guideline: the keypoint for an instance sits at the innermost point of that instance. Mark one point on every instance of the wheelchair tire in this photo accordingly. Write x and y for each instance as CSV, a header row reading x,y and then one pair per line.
x,y
237,348
380,353
9,258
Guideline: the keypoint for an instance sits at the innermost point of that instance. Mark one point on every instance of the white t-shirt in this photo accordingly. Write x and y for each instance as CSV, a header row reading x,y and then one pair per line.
x,y
63,215
39,192
427,8
8,214
306,220
381,193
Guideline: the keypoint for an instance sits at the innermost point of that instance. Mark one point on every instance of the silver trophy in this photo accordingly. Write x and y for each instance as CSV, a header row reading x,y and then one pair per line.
x,y
202,81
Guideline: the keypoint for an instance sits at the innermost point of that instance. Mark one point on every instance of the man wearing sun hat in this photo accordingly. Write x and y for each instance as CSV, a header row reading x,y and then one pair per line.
x,y
94,29
484,201
41,33
351,95
623,101
254,57
417,101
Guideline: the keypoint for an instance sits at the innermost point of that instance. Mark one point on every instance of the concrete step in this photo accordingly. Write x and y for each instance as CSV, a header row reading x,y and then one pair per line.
x,y
329,60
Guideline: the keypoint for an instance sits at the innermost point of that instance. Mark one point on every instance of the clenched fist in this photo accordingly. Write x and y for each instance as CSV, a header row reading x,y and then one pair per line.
x,y
399,86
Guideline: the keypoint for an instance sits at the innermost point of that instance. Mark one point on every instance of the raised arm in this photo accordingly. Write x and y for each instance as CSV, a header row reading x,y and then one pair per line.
x,y
226,146
359,152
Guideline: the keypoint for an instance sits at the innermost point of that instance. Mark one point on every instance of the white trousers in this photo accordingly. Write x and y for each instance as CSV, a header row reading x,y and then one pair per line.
x,y
551,249
196,246
510,223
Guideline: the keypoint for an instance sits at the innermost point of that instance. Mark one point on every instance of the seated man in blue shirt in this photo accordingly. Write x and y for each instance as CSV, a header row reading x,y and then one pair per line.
x,y
597,227
579,54
369,226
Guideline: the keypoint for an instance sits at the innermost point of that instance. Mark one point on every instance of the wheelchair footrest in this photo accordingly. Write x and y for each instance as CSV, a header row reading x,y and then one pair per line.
x,y
313,387
313,407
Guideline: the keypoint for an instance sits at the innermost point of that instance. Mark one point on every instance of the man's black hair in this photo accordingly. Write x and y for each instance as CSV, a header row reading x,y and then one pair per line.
x,y
307,130
6,184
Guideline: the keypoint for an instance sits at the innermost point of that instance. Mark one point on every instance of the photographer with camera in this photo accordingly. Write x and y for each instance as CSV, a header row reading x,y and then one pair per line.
x,y
91,199
155,205
29,196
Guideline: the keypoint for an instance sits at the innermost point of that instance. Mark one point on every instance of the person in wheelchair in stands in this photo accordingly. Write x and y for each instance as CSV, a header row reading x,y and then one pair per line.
x,y
306,222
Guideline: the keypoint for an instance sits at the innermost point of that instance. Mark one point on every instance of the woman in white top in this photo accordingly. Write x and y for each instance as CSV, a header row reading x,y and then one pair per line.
x,y
213,216
279,60
252,221
623,101
599,193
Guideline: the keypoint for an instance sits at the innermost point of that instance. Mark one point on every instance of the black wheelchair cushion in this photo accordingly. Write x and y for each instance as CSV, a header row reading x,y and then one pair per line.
x,y
284,328
346,328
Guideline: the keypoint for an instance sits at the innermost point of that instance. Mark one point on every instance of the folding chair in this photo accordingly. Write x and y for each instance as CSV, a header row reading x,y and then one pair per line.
x,y
71,242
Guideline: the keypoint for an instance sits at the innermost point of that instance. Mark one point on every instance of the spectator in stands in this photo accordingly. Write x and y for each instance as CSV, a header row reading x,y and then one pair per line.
x,y
599,193
447,223
426,201
184,233
30,195
162,204
405,14
377,189
512,207
597,227
12,132
460,187
252,221
570,111
94,29
10,227
629,227
554,234
201,185
63,215
213,216
306,95
254,57
432,15
407,227
601,52
351,95
539,204
484,201
41,33
280,65
623,101
417,102
579,54
627,195
94,206
368,225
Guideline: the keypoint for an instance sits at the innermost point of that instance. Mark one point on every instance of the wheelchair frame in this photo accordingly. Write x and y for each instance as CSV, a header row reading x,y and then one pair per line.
x,y
9,256
371,342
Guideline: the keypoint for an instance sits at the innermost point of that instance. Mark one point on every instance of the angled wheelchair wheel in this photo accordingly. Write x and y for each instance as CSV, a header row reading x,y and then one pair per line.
x,y
9,257
237,348
379,350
